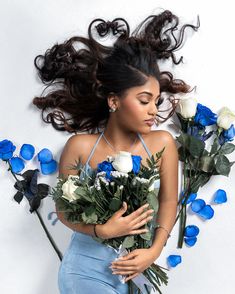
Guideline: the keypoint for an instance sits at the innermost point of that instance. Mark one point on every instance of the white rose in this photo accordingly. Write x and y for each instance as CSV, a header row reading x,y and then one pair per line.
x,y
68,189
225,118
123,162
188,107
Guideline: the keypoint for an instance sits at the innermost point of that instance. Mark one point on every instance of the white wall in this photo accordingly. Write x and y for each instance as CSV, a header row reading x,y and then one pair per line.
x,y
28,264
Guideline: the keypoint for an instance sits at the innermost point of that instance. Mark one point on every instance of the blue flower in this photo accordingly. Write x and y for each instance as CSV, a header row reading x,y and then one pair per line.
x,y
206,212
17,164
45,155
191,231
227,135
105,166
190,241
27,151
6,149
136,160
48,167
204,116
220,196
197,205
174,260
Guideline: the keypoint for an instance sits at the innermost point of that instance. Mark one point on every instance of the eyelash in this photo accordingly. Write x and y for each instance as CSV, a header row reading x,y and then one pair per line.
x,y
157,104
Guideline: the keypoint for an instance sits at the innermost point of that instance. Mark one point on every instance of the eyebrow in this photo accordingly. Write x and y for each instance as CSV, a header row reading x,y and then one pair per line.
x,y
148,93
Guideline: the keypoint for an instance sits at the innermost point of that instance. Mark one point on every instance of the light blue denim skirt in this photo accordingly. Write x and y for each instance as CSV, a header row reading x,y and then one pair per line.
x,y
85,268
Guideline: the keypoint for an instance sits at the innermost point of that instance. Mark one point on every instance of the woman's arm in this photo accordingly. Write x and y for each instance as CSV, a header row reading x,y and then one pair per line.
x,y
68,156
168,193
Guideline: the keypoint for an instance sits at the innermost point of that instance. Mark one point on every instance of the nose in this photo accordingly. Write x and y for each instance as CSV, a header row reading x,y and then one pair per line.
x,y
153,109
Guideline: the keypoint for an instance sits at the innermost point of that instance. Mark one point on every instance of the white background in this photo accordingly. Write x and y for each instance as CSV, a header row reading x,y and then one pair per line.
x,y
28,264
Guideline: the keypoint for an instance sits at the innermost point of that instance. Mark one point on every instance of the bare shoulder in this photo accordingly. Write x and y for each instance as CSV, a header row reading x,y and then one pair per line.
x,y
160,138
73,150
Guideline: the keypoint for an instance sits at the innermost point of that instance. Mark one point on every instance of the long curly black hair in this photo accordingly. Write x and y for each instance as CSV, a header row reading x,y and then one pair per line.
x,y
80,79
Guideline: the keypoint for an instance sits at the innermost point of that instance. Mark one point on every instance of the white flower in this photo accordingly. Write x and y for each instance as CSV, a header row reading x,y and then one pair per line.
x,y
117,174
123,162
188,107
225,118
69,187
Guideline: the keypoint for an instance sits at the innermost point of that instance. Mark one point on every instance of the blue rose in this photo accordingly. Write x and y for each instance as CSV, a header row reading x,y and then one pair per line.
x,y
204,116
6,149
136,160
227,135
105,166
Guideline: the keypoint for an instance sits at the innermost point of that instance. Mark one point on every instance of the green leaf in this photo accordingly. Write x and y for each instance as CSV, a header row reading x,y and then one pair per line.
x,y
183,139
195,146
222,165
206,163
227,148
115,204
128,241
182,154
146,236
81,193
215,146
152,199
89,215
201,180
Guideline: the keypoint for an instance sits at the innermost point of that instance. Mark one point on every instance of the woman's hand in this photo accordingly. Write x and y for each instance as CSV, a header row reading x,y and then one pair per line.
x,y
134,263
118,226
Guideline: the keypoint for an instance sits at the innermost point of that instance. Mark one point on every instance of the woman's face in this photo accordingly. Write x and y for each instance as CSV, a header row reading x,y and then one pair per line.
x,y
138,106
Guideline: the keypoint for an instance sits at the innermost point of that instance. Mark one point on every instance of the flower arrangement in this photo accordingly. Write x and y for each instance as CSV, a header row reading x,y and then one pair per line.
x,y
28,186
94,198
200,163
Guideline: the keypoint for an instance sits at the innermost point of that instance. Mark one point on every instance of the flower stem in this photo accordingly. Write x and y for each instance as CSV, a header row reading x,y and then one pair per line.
x,y
41,221
49,236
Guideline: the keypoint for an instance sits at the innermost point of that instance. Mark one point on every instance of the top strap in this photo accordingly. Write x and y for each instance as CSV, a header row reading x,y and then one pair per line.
x,y
145,146
93,149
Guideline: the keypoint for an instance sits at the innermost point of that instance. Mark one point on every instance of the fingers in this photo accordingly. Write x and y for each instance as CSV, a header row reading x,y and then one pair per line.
x,y
141,231
131,277
142,219
137,212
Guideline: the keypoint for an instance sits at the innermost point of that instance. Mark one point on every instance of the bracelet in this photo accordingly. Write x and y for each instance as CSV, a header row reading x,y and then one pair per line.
x,y
168,235
95,231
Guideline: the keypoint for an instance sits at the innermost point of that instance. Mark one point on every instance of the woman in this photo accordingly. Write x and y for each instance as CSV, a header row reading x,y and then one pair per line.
x,y
119,89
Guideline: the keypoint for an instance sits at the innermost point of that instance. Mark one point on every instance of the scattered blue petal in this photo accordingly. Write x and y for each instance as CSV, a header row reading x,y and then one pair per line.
x,y
220,196
174,260
191,197
17,164
49,167
197,205
206,212
190,241
191,231
27,151
45,156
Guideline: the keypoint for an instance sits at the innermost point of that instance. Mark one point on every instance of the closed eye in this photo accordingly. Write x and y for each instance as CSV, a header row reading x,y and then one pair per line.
x,y
159,102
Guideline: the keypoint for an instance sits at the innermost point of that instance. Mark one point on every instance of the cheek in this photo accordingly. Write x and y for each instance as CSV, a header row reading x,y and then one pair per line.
x,y
134,109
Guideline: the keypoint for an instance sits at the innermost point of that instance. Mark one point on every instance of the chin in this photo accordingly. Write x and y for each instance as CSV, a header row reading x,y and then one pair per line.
x,y
144,130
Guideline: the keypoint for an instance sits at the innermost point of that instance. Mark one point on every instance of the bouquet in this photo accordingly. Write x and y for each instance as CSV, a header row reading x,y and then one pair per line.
x,y
93,198
200,163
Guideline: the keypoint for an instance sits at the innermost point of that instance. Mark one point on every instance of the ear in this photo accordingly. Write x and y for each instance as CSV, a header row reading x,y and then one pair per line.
x,y
113,100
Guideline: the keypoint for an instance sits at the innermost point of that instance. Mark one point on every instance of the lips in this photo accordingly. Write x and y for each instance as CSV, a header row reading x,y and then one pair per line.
x,y
150,122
